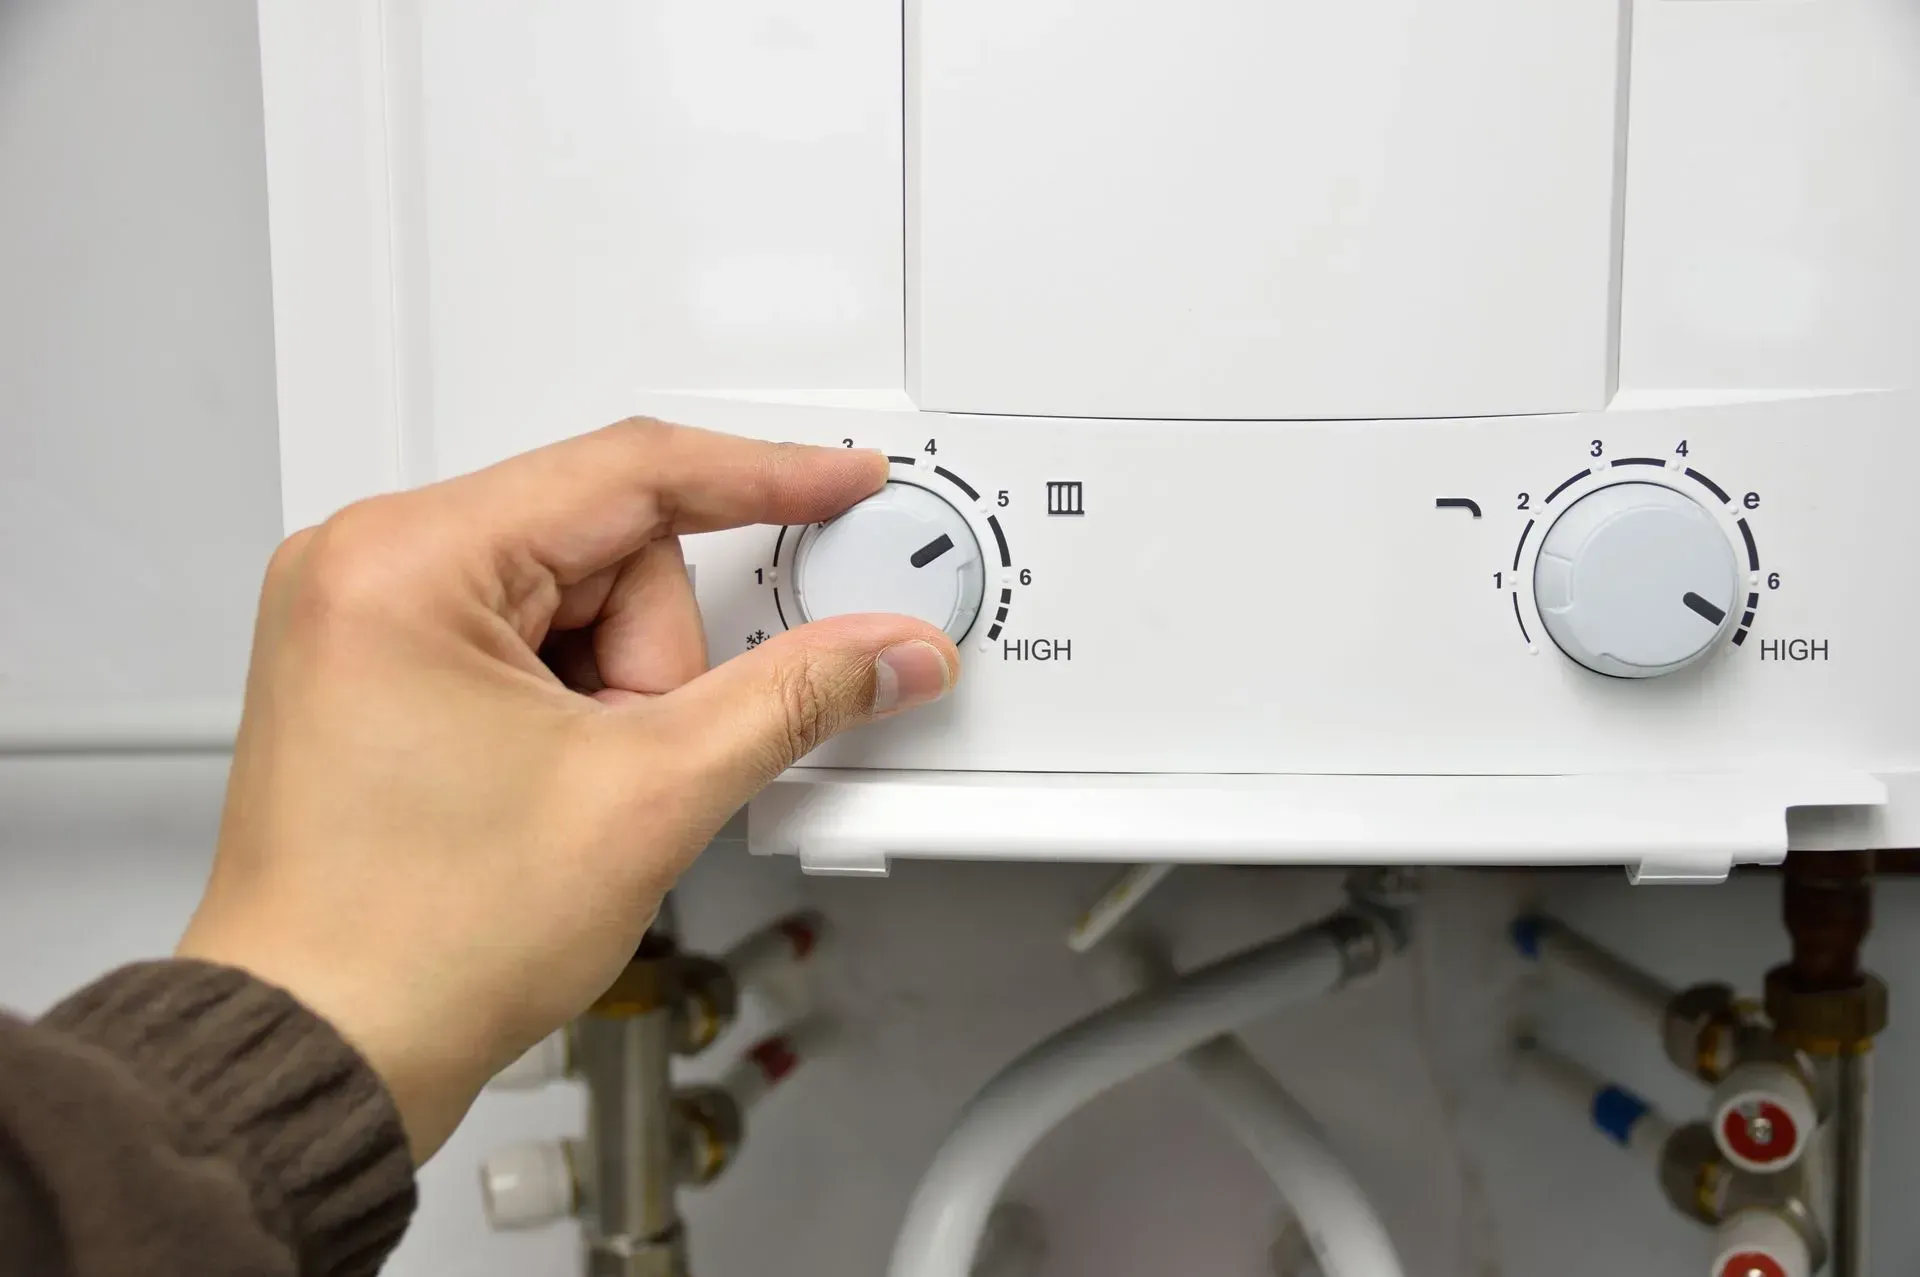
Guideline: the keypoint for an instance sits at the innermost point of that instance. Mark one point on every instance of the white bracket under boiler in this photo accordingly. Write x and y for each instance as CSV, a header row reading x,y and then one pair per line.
x,y
1666,828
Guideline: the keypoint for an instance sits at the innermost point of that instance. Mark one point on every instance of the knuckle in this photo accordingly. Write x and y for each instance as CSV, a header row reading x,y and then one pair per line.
x,y
286,559
805,704
642,432
348,562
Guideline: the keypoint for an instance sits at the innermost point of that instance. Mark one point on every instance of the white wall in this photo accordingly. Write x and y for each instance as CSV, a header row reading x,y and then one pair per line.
x,y
137,506
137,491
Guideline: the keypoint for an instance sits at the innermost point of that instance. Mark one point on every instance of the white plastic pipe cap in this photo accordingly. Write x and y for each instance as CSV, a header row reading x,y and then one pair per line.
x,y
527,1185
1760,1243
1763,1117
546,1062
775,964
773,1059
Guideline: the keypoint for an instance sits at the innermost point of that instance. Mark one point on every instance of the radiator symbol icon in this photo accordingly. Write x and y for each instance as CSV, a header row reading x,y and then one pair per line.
x,y
1064,498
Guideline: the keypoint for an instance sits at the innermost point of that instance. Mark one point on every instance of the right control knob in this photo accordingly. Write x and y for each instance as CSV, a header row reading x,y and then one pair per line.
x,y
1637,579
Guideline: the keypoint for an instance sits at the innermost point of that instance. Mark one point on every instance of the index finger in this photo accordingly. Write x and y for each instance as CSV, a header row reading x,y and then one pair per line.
x,y
584,504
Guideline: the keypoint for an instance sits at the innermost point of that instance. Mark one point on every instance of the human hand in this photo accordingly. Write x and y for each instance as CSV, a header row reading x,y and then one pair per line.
x,y
444,847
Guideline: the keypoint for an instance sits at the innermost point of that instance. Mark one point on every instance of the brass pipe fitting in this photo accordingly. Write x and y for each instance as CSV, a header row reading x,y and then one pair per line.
x,y
648,983
1826,1022
1694,1176
697,992
1699,1183
1704,1028
711,1129
705,1003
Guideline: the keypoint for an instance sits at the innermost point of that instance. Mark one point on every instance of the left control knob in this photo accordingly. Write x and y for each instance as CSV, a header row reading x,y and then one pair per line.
x,y
905,550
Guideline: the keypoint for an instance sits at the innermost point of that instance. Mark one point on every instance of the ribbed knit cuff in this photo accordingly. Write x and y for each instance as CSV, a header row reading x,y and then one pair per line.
x,y
254,1078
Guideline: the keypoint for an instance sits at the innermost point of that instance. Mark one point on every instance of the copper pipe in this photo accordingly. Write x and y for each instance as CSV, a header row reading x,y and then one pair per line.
x,y
1822,1002
1827,905
1897,864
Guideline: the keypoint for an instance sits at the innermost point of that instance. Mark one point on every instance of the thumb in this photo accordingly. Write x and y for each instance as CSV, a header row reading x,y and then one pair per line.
x,y
744,722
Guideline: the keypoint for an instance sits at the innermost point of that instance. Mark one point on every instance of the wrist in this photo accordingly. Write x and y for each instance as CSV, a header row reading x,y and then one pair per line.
x,y
247,1075
429,1081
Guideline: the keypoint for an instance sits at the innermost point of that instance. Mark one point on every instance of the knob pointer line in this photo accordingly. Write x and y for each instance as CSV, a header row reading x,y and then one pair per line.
x,y
931,550
1713,614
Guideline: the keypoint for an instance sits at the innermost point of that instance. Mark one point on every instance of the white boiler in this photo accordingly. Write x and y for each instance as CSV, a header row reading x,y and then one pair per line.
x,y
1432,430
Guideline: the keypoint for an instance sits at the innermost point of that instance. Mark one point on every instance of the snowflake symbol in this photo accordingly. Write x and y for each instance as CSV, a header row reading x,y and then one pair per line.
x,y
756,638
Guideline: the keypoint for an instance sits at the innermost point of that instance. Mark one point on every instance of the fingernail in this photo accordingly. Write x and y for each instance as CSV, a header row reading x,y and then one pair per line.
x,y
909,674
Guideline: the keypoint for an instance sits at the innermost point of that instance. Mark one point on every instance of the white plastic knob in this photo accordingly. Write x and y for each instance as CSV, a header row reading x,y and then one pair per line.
x,y
1637,579
905,550
527,1185
1760,1243
1763,1117
546,1062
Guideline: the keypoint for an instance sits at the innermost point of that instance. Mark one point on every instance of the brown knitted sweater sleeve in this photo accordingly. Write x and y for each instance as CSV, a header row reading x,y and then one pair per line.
x,y
178,1118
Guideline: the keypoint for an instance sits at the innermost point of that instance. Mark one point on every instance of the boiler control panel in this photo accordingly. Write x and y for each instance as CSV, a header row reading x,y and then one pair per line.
x,y
1668,587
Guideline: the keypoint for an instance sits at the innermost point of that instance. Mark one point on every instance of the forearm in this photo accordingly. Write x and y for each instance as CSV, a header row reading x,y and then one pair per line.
x,y
178,1118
